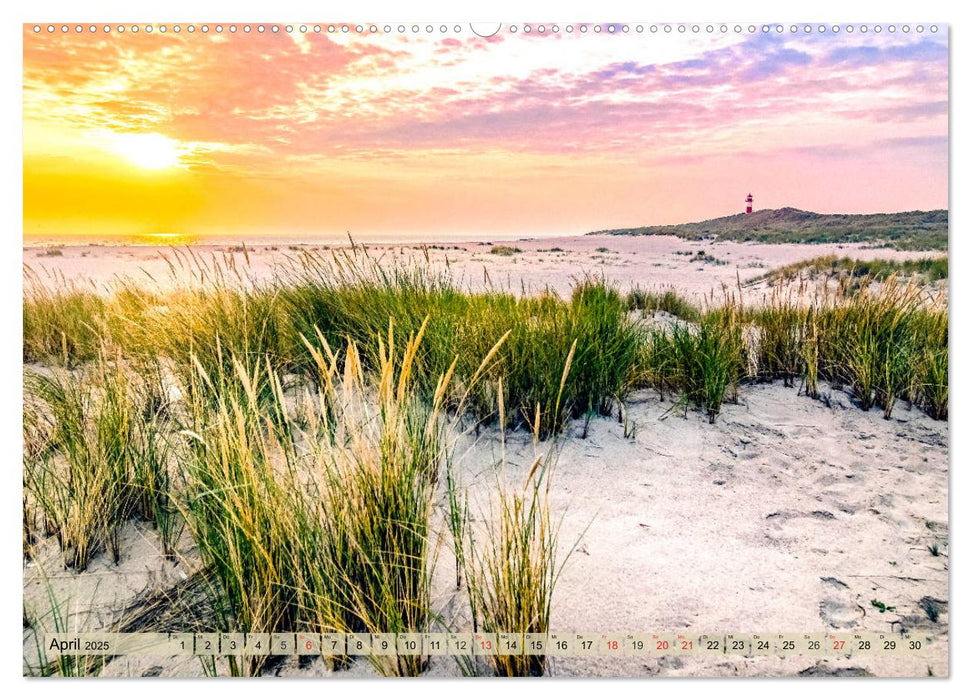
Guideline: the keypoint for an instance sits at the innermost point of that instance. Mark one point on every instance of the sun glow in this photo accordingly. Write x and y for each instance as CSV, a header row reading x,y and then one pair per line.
x,y
149,151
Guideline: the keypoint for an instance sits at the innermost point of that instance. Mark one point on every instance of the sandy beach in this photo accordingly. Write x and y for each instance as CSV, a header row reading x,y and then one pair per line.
x,y
655,263
787,515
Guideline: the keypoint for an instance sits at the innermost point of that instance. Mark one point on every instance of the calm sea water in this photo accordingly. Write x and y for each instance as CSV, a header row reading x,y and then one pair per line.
x,y
181,239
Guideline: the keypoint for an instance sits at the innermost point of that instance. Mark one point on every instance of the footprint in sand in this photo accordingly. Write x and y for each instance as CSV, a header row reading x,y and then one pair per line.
x,y
839,607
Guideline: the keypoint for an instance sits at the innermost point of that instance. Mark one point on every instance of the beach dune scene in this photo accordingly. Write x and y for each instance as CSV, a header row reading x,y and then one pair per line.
x,y
600,350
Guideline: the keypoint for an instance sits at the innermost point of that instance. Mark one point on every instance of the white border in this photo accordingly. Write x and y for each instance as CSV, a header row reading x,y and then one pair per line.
x,y
760,11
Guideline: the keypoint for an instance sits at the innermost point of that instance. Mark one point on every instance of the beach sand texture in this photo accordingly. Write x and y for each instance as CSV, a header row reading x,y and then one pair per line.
x,y
786,515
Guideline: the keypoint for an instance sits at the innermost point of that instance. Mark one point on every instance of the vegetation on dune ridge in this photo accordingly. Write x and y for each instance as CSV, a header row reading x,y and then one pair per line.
x,y
912,230
925,270
95,455
505,250
669,302
350,296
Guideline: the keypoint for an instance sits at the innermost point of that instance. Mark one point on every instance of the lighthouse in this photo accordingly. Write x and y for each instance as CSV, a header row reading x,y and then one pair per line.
x,y
748,203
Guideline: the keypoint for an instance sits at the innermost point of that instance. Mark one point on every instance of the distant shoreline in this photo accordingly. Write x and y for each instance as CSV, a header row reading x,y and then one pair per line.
x,y
911,230
261,240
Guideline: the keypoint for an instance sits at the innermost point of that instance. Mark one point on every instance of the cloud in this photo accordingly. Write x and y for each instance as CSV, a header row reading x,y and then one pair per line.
x,y
925,50
773,63
905,111
934,142
262,101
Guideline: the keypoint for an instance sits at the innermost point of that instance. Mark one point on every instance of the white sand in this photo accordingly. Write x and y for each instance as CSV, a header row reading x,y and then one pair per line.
x,y
785,516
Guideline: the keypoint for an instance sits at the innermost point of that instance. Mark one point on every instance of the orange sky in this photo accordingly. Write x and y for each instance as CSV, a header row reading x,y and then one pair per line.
x,y
421,135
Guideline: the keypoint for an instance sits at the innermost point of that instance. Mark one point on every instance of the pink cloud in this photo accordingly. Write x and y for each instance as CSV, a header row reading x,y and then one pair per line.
x,y
258,103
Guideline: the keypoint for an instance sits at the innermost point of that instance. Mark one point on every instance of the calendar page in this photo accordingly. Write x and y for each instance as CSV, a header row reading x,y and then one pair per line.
x,y
447,349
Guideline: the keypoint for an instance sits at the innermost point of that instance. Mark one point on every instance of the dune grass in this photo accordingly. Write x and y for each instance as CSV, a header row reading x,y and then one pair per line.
x,y
295,426
511,568
235,501
62,322
669,302
322,528
929,361
884,345
852,337
348,296
708,361
97,456
505,250
929,269
781,333
380,472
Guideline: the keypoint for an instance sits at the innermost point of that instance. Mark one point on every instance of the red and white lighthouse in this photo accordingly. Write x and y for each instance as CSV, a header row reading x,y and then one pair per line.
x,y
748,203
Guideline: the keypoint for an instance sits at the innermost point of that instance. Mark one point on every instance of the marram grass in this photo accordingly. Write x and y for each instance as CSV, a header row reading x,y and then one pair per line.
x,y
297,427
511,568
96,455
324,528
852,337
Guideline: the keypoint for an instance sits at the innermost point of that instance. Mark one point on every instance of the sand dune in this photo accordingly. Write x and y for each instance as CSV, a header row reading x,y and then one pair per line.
x,y
787,515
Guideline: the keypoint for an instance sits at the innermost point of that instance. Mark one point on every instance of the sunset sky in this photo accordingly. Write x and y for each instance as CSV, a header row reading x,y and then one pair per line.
x,y
454,135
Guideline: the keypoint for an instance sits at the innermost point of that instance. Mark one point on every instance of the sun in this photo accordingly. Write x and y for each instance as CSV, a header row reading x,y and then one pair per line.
x,y
149,151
